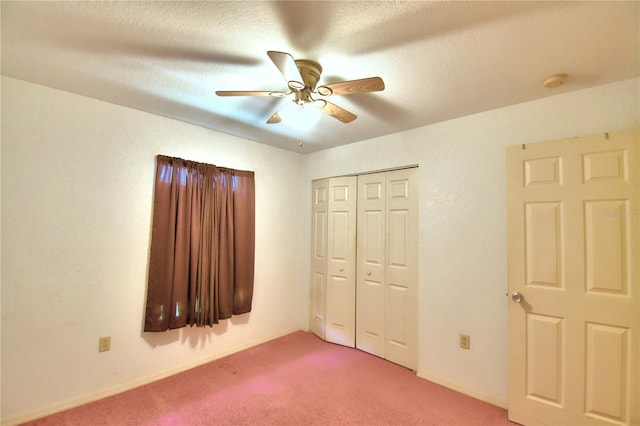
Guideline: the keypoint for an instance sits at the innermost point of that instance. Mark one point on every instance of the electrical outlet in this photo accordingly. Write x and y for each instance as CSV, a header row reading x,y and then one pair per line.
x,y
465,341
104,344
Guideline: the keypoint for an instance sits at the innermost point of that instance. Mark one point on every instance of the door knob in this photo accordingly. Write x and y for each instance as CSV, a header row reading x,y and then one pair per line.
x,y
341,269
517,297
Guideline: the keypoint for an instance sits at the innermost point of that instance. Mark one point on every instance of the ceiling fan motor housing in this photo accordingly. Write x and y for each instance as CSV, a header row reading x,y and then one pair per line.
x,y
310,72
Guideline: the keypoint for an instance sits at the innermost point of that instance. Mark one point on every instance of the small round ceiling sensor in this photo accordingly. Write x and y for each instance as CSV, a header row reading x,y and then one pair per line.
x,y
556,80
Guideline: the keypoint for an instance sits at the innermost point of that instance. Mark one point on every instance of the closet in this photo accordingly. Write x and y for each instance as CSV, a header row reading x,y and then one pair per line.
x,y
364,263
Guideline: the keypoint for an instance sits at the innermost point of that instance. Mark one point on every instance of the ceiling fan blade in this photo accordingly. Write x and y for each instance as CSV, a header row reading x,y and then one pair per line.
x,y
364,85
249,93
288,68
335,111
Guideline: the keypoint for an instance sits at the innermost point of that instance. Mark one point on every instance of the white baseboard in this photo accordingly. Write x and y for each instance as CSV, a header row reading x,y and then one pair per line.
x,y
114,390
463,389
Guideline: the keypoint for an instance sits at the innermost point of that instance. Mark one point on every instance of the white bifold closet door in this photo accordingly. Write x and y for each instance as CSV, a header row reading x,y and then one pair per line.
x,y
341,261
319,209
333,260
364,263
386,285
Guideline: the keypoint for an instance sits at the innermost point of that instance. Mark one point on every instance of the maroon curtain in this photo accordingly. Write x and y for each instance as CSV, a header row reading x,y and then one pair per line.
x,y
202,244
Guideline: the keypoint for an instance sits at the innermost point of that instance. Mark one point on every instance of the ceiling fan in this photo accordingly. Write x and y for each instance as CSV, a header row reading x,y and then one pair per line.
x,y
302,76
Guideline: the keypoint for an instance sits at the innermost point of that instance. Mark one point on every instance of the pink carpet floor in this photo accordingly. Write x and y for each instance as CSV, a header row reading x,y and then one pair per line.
x,y
297,379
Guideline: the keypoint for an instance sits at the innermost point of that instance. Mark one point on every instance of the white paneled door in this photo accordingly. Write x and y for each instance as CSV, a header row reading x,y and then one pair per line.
x,y
574,308
319,209
341,261
387,309
371,279
364,263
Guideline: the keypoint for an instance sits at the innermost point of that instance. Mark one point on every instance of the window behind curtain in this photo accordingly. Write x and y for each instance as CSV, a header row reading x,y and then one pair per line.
x,y
202,244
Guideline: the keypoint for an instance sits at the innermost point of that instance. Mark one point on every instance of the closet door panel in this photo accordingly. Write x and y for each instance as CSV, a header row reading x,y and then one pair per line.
x,y
340,311
318,303
401,288
399,307
370,312
341,264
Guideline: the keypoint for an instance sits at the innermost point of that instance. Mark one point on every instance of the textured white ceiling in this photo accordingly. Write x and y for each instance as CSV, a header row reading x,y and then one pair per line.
x,y
439,59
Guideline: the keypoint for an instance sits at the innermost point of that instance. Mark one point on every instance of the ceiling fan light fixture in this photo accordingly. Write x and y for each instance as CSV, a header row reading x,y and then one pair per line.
x,y
302,115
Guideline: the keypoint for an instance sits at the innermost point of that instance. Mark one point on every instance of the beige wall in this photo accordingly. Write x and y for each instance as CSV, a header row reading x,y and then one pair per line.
x,y
77,178
462,240
77,181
